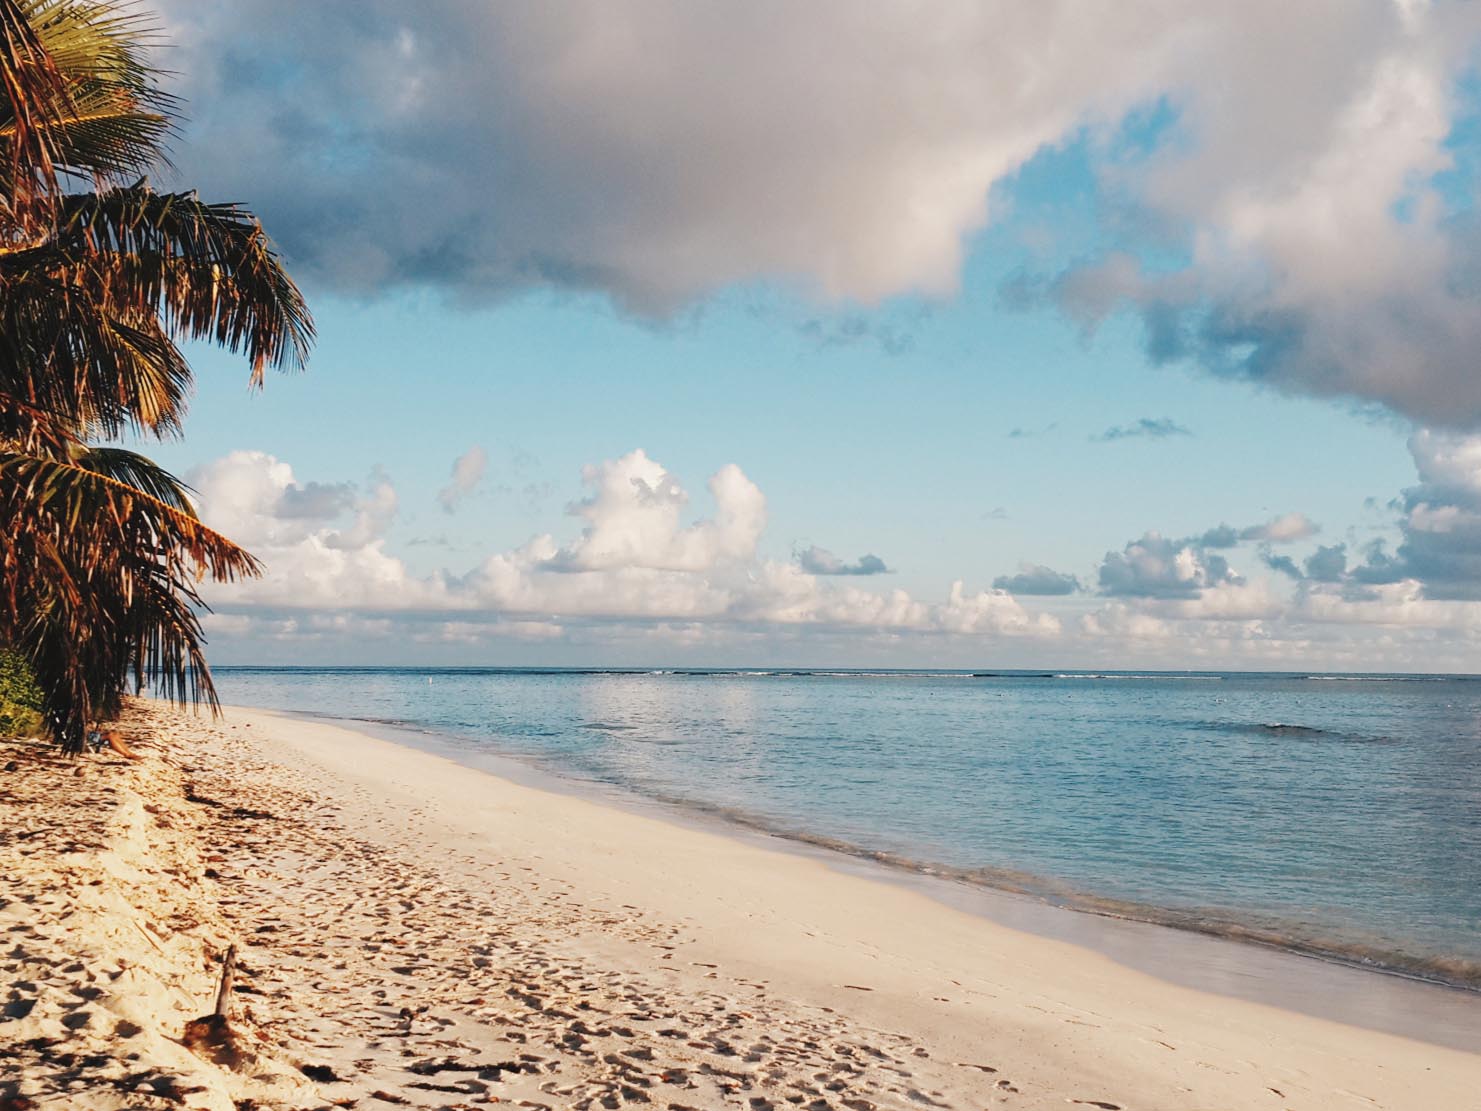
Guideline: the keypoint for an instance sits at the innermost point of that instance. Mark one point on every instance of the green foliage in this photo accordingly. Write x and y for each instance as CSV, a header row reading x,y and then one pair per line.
x,y
20,698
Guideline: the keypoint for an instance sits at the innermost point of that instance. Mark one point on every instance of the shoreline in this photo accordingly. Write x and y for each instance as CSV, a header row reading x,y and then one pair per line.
x,y
1237,961
417,930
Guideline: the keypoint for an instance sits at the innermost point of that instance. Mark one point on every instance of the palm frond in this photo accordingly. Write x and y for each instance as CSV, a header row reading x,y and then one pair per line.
x,y
208,269
83,100
91,509
95,309
99,563
36,93
65,349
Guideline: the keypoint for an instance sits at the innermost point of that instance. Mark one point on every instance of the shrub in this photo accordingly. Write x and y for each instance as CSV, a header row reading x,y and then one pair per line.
x,y
20,698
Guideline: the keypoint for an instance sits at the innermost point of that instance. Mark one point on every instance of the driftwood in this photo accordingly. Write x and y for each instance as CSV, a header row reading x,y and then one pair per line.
x,y
228,973
211,1036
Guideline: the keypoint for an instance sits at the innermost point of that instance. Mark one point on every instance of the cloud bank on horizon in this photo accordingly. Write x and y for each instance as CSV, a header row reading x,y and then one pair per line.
x,y
1287,204
640,568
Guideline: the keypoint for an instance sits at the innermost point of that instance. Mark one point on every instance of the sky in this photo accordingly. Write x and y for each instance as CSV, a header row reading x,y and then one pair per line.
x,y
948,335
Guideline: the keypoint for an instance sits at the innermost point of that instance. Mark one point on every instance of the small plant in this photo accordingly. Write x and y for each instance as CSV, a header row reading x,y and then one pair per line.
x,y
20,698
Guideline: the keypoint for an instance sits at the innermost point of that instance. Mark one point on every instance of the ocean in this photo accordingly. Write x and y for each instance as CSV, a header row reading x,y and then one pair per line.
x,y
1337,815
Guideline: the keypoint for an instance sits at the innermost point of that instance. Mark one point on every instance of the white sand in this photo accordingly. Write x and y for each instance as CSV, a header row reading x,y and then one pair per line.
x,y
561,953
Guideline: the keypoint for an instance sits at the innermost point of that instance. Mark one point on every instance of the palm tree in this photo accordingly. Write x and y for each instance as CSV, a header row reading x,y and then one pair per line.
x,y
101,277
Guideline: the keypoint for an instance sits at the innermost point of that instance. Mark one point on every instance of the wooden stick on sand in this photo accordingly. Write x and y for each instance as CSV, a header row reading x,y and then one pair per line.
x,y
228,971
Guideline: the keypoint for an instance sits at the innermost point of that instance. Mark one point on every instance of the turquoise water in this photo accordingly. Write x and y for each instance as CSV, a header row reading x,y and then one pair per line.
x,y
1332,814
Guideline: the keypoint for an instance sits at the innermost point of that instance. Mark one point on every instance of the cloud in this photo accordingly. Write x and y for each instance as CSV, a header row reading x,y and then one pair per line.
x,y
1156,567
1160,568
1282,200
636,560
1021,433
820,561
1035,578
1283,564
1329,243
853,329
1440,521
561,152
468,470
1278,530
1438,556
633,520
1281,530
310,562
373,515
1327,564
315,501
1159,428
647,572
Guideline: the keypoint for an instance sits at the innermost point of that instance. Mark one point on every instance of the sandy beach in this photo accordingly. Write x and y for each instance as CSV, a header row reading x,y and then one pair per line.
x,y
413,932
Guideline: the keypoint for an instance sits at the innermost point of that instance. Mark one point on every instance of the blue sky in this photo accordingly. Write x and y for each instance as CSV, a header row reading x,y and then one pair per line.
x,y
961,341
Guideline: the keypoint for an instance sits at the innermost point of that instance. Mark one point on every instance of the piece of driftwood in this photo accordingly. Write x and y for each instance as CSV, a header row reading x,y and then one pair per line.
x,y
211,1036
228,972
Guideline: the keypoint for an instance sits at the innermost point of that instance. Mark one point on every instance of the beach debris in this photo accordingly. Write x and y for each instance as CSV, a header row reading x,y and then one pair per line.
x,y
228,973
211,1036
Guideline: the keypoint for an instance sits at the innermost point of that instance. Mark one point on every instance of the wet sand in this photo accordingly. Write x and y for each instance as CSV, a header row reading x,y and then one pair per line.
x,y
413,932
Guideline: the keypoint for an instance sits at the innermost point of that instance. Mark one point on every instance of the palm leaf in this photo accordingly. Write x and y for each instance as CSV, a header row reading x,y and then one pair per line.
x,y
100,564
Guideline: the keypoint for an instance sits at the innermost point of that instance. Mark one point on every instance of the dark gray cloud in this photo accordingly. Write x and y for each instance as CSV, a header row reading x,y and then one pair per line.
x,y
315,501
820,561
1445,560
1406,342
1221,536
1160,567
1283,564
1328,564
1037,579
854,329
1379,566
1156,567
1439,526
1021,433
1151,428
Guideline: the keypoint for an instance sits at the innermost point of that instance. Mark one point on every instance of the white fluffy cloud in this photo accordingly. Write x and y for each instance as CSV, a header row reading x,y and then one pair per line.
x,y
660,152
636,559
633,520
322,561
